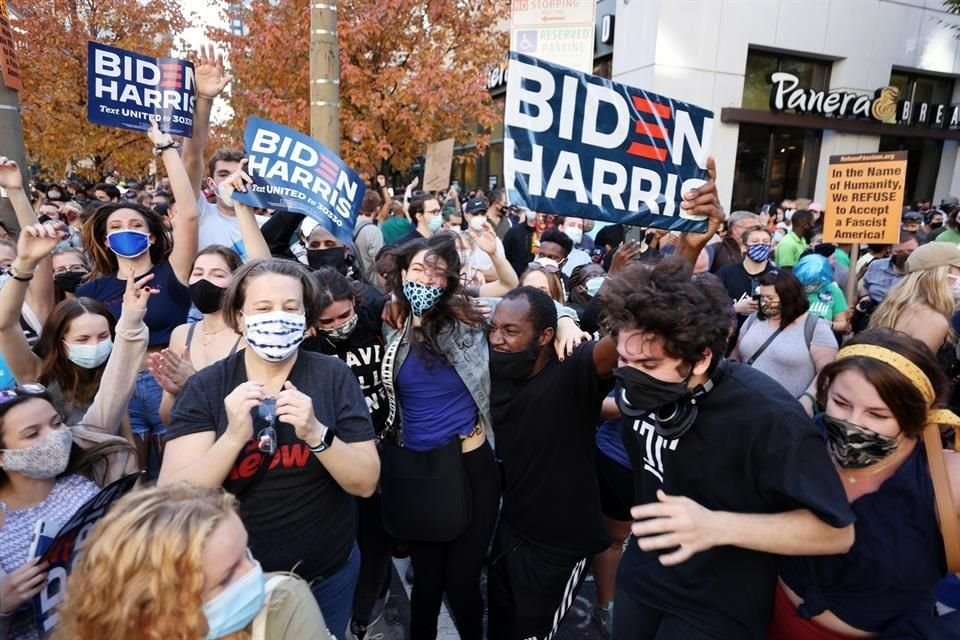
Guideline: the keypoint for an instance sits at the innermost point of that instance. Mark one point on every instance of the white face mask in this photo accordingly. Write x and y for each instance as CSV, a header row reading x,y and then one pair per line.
x,y
955,286
574,233
89,356
275,335
477,222
44,460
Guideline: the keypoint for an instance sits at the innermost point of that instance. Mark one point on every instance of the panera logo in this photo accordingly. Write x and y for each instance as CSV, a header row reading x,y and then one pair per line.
x,y
886,105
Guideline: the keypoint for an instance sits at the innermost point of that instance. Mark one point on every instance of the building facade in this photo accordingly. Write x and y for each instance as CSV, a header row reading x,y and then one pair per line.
x,y
793,82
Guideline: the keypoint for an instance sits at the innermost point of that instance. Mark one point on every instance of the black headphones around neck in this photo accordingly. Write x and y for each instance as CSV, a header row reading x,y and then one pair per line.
x,y
673,420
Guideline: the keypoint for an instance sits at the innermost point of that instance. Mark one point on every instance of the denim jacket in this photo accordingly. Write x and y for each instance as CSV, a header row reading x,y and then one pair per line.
x,y
466,349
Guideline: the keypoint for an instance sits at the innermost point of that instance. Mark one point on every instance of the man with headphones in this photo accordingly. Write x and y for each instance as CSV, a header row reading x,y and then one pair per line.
x,y
728,469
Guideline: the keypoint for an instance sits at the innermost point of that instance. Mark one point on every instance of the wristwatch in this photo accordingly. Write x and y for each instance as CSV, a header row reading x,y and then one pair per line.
x,y
22,276
325,443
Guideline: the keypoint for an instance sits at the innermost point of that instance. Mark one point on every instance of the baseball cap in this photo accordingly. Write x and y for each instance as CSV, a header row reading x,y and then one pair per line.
x,y
950,202
913,216
477,205
933,255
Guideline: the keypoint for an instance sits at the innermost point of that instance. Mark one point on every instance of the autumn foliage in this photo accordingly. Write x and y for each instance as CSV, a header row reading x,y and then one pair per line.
x,y
52,41
411,73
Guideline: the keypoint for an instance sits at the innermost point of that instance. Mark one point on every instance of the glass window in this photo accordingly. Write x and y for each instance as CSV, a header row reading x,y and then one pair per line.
x,y
813,74
923,163
918,88
774,163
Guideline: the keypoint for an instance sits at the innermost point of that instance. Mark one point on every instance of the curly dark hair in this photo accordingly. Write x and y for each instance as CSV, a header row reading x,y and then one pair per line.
x,y
905,401
690,316
452,307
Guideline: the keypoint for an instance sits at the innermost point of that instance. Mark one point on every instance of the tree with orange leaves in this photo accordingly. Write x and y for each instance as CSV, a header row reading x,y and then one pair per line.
x,y
52,41
411,72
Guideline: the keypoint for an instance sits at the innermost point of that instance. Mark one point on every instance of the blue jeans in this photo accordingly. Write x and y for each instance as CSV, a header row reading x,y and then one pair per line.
x,y
334,594
145,406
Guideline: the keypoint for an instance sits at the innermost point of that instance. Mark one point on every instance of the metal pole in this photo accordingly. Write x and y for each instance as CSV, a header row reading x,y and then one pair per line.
x,y
11,133
324,75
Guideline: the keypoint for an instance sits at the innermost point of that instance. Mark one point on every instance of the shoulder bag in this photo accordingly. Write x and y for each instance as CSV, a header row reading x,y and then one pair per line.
x,y
425,495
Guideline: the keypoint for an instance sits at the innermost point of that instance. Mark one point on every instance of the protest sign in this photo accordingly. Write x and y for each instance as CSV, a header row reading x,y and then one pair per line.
x,y
558,31
62,550
436,173
8,52
584,146
127,90
293,172
865,198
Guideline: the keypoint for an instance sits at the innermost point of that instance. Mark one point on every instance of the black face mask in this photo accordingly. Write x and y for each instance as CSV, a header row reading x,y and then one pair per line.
x,y
334,258
935,225
206,296
69,281
513,366
639,393
899,260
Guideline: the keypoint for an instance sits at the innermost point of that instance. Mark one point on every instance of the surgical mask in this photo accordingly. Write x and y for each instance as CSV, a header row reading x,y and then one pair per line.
x,y
955,287
516,365
128,243
53,195
343,331
593,285
275,335
334,257
206,296
236,606
422,297
638,393
225,195
69,281
477,222
759,252
435,223
4,276
770,310
44,460
856,447
574,233
89,356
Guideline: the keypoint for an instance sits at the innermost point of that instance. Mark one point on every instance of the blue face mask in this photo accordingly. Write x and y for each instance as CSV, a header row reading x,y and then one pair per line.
x,y
758,252
127,243
435,223
422,297
237,605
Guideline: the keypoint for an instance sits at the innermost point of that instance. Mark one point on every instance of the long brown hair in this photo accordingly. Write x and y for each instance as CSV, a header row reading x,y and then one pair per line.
x,y
901,396
453,306
94,237
78,385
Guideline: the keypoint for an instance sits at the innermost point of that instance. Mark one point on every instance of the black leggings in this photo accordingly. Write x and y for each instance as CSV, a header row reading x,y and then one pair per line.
x,y
453,568
375,558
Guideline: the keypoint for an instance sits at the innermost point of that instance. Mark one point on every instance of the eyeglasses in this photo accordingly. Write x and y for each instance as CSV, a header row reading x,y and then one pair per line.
x,y
74,268
267,437
549,268
24,390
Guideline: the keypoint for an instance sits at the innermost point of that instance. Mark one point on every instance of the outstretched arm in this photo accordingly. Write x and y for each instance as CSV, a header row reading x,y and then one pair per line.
x,y
702,201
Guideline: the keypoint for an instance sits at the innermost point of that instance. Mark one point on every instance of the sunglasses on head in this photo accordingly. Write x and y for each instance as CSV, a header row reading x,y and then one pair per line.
x,y
549,268
21,391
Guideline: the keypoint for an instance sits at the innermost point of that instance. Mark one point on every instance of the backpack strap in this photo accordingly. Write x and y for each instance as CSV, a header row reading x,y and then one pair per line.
x,y
809,327
386,375
360,227
191,328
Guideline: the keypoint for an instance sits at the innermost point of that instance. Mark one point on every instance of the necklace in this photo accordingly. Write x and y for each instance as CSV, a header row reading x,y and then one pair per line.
x,y
206,334
877,469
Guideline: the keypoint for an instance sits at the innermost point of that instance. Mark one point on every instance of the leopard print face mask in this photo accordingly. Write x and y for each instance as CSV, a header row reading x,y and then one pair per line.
x,y
44,460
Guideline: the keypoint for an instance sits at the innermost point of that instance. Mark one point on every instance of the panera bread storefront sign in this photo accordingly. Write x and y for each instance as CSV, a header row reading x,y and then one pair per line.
x,y
885,106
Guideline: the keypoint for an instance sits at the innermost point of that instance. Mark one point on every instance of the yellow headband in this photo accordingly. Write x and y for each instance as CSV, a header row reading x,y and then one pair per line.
x,y
908,370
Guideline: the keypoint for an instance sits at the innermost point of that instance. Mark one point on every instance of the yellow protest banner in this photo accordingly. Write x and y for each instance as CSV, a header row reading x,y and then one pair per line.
x,y
865,198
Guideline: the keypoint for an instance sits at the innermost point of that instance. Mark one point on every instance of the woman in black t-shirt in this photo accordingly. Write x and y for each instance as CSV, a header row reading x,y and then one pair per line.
x,y
291,438
349,327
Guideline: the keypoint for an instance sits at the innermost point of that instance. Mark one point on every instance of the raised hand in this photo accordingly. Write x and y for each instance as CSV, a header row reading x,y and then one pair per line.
x,y
236,181
38,240
157,137
137,293
209,74
10,176
486,239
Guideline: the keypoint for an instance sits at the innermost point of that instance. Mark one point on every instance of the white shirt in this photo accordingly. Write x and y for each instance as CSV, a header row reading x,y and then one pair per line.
x,y
216,228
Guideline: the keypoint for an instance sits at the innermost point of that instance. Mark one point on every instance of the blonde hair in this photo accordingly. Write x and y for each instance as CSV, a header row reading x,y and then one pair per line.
x,y
141,574
928,288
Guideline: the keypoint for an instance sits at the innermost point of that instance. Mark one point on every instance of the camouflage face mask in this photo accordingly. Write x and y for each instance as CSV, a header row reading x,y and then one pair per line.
x,y
856,447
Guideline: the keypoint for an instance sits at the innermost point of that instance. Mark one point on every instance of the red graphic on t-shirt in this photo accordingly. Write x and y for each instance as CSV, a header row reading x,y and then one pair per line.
x,y
288,456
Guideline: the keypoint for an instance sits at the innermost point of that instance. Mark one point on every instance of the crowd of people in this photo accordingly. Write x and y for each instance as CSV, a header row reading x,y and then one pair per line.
x,y
703,420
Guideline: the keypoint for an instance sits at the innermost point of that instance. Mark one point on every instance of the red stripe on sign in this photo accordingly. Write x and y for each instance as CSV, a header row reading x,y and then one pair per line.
x,y
647,151
652,131
170,85
169,65
647,106
324,172
328,162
